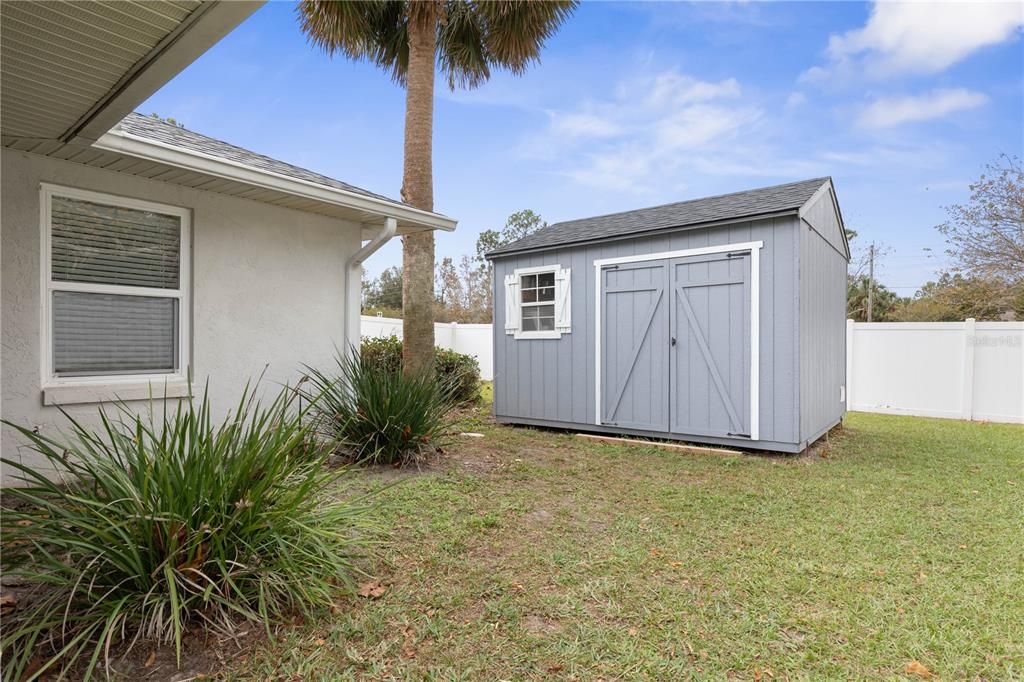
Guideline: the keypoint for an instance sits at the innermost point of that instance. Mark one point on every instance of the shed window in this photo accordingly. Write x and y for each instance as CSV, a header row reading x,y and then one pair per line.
x,y
537,303
116,303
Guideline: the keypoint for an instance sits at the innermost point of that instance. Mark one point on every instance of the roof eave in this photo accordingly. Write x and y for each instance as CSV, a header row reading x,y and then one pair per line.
x,y
646,233
198,33
121,142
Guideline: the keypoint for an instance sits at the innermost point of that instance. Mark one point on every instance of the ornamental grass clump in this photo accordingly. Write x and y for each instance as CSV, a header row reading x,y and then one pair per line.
x,y
371,414
160,524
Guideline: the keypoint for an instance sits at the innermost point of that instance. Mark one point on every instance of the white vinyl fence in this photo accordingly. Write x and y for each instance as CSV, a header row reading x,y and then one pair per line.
x,y
960,370
471,339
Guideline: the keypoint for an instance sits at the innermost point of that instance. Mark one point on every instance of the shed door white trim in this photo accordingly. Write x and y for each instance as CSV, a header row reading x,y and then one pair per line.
x,y
755,308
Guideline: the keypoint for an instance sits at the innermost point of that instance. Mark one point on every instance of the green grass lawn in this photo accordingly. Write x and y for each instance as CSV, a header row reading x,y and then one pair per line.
x,y
531,554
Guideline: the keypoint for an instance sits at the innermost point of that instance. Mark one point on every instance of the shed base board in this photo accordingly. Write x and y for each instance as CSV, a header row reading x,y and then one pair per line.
x,y
811,441
741,443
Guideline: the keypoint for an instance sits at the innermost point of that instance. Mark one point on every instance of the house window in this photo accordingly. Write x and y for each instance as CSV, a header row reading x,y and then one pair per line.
x,y
115,282
538,302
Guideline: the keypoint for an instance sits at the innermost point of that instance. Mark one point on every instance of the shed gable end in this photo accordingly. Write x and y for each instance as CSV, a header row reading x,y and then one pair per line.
x,y
821,212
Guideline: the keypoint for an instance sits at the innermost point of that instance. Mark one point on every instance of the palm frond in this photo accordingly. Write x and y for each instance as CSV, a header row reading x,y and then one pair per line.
x,y
473,36
371,30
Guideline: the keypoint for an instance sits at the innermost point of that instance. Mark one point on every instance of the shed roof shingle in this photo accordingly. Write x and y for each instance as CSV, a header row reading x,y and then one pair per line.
x,y
152,128
691,213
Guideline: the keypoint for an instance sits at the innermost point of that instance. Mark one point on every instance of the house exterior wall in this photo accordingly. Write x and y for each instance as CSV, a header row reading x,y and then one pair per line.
x,y
552,381
267,290
822,333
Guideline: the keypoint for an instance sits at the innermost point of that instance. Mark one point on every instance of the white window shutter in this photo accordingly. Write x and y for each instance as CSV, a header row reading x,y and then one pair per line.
x,y
563,301
511,304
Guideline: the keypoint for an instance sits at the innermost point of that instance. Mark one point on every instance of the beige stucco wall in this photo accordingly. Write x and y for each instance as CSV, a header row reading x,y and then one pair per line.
x,y
268,288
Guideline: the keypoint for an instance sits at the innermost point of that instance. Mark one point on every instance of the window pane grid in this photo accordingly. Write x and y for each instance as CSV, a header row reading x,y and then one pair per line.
x,y
537,302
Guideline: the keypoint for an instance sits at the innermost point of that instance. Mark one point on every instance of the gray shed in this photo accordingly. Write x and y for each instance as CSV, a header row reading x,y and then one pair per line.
x,y
717,320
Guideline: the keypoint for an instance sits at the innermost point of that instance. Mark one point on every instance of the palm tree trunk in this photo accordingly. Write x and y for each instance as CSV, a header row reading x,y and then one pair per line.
x,y
418,191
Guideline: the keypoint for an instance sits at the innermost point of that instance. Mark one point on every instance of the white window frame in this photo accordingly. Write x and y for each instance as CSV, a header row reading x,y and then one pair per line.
x,y
538,270
754,248
77,389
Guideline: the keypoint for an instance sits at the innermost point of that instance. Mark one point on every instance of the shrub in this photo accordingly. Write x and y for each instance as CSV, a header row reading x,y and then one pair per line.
x,y
172,521
458,372
374,414
384,352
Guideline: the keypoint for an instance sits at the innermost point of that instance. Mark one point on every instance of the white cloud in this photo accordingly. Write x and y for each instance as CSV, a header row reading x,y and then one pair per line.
x,y
674,89
795,100
918,38
886,112
700,125
582,124
644,130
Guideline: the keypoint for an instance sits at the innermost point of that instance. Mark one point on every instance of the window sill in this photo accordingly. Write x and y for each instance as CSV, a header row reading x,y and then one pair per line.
x,y
78,392
539,335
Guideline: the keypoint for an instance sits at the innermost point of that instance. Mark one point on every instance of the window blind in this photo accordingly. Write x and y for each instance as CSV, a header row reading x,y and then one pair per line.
x,y
102,244
102,334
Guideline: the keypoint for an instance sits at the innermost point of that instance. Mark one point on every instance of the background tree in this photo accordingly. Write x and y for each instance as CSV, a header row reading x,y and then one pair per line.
x,y
517,226
884,302
385,292
954,297
858,282
465,39
986,235
450,293
461,295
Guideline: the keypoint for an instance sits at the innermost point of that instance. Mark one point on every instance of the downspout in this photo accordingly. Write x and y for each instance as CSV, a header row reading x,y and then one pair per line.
x,y
353,274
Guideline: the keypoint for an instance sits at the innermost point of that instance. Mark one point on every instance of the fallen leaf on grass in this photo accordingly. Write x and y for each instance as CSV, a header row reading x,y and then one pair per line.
x,y
150,660
7,602
373,589
916,668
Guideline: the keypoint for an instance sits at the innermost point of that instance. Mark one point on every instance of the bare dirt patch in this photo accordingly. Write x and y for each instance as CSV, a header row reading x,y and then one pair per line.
x,y
541,626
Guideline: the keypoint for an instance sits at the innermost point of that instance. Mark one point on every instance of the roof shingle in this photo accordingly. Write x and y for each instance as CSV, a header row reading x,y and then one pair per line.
x,y
152,128
691,213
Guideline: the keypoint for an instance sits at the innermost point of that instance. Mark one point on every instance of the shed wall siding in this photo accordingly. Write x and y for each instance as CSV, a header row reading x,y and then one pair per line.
x,y
267,289
553,380
822,334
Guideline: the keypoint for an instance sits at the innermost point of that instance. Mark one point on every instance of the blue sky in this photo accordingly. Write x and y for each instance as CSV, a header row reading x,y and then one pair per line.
x,y
636,104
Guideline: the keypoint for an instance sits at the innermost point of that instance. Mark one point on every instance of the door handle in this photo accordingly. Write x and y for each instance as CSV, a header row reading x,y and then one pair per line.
x,y
673,340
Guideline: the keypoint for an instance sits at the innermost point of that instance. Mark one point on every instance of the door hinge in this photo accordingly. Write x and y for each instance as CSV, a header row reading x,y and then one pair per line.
x,y
738,435
737,254
673,340
609,267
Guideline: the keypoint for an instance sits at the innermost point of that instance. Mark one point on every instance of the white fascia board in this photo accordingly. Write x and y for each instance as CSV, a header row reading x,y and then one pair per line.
x,y
121,142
